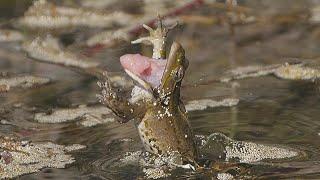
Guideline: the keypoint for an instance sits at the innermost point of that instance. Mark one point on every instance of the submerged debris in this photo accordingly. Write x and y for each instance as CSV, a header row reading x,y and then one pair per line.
x,y
223,147
4,122
283,71
224,176
247,152
89,115
97,4
151,6
23,157
154,167
91,120
48,50
7,35
315,15
131,157
6,157
112,37
295,72
209,103
4,88
250,71
155,173
109,37
27,81
45,15
165,8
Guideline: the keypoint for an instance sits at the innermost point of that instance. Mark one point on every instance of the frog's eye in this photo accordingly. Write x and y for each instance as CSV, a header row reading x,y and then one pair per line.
x,y
179,73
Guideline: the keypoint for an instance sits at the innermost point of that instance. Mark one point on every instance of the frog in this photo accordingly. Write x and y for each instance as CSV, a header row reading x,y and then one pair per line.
x,y
165,126
159,115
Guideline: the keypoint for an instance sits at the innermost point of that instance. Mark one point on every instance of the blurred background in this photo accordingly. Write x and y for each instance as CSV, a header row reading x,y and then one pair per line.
x,y
39,38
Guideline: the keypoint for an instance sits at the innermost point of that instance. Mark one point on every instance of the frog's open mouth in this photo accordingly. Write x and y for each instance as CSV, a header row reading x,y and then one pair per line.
x,y
144,68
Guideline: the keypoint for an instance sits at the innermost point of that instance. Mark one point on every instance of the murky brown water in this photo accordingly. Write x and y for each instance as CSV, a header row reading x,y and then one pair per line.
x,y
271,110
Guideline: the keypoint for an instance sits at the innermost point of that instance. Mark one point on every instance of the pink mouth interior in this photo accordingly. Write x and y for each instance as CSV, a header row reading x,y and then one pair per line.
x,y
148,69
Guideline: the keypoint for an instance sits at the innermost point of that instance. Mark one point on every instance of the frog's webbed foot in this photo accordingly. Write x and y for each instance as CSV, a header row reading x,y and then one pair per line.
x,y
157,38
118,104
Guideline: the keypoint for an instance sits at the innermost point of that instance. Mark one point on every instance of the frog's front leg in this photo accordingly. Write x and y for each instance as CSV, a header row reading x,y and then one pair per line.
x,y
121,106
157,39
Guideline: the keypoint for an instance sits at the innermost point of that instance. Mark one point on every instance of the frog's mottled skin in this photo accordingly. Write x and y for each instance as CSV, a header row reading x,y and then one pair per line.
x,y
161,120
165,127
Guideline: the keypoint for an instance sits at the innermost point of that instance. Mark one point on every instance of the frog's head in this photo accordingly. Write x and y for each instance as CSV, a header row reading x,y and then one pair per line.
x,y
161,77
173,73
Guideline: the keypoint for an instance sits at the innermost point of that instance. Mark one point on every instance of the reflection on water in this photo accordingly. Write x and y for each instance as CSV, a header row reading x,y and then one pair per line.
x,y
271,111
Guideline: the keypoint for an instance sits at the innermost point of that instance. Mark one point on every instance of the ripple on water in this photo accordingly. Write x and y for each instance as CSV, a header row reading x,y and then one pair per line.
x,y
223,147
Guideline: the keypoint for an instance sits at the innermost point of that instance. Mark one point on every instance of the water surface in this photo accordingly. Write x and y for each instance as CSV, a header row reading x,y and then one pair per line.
x,y
271,110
